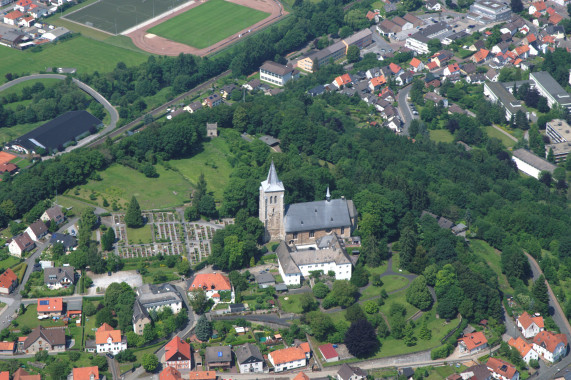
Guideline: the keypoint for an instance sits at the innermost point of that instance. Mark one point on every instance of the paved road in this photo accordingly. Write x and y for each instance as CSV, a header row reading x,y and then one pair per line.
x,y
504,132
404,108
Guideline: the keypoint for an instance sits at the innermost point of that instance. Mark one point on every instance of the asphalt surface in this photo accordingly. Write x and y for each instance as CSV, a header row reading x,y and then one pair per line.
x,y
404,108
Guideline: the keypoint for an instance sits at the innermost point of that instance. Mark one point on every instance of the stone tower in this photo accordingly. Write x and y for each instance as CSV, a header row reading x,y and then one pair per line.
x,y
271,208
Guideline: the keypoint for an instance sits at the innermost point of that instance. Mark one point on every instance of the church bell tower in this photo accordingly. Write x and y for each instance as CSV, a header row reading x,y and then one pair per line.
x,y
271,208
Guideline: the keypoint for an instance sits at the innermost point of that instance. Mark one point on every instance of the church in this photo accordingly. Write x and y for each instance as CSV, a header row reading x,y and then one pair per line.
x,y
303,223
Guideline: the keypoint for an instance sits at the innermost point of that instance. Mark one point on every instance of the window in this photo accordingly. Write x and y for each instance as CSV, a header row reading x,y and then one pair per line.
x,y
270,200
295,235
342,230
311,234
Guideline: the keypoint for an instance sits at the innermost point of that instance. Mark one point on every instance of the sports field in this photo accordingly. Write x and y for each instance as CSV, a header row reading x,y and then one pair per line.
x,y
208,23
115,16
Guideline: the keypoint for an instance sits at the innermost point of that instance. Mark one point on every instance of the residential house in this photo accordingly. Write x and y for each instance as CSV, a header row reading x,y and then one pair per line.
x,y
348,372
85,373
343,80
8,281
287,358
522,51
530,326
404,78
60,277
22,374
472,343
377,83
555,19
502,370
8,167
13,17
53,34
67,241
481,56
387,94
275,73
476,78
500,47
107,339
419,41
551,347
193,107
7,348
301,376
402,23
227,90
212,101
434,97
27,21
525,349
433,5
468,68
451,69
455,108
492,75
211,283
442,57
170,373
177,354
396,70
43,339
141,318
373,72
538,6
74,308
252,85
415,21
37,11
157,297
317,90
476,372
479,44
416,65
218,357
50,307
531,164
20,244
37,230
202,375
328,352
265,279
388,28
23,5
249,358
431,81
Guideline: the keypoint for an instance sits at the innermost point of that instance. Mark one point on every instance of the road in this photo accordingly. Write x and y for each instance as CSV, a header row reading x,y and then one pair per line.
x,y
404,108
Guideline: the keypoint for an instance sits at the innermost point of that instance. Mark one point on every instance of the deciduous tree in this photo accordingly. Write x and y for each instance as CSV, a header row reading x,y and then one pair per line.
x,y
361,339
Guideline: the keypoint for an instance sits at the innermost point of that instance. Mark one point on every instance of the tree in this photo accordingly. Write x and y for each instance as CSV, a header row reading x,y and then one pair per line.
x,y
361,339
409,338
425,333
345,32
320,290
149,362
344,293
517,6
191,213
545,178
108,239
360,277
353,54
418,295
104,316
321,324
551,156
100,362
354,313
203,329
134,217
539,290
308,303
434,45
371,307
198,301
58,369
207,206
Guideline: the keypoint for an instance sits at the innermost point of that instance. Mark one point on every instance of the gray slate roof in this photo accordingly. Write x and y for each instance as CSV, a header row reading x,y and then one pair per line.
x,y
75,304
546,81
60,274
272,183
68,241
534,160
329,249
346,372
264,278
218,354
318,215
248,353
151,296
139,312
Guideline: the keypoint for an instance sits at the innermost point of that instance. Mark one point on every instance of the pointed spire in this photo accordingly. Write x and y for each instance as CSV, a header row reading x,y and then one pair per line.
x,y
272,175
328,195
272,183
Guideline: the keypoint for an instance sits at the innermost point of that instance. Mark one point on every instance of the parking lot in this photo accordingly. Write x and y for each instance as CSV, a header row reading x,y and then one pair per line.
x,y
102,281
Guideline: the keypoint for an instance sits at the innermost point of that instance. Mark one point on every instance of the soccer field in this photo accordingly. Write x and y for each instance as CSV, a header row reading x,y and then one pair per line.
x,y
115,16
208,23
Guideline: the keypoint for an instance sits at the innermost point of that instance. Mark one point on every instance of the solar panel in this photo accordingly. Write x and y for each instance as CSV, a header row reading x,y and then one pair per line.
x,y
219,354
44,302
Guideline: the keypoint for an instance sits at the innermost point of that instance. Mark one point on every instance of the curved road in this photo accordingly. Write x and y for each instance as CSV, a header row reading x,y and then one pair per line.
x,y
97,96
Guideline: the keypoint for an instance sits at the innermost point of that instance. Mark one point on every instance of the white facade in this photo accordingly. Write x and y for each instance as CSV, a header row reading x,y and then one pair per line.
x,y
112,347
342,271
32,235
289,365
175,307
14,249
420,47
554,356
289,279
531,355
532,330
252,367
526,168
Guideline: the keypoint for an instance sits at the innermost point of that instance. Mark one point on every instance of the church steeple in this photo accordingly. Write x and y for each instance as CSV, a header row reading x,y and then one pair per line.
x,y
328,195
271,206
272,183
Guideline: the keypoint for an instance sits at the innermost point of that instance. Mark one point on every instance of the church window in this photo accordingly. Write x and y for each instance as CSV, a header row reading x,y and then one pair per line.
x,y
342,230
311,234
295,235
276,199
270,200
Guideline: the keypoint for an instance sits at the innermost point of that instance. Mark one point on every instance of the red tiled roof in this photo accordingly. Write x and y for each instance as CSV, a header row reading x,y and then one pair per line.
x,y
106,331
328,351
521,345
46,305
537,15
287,355
10,167
453,68
526,320
415,62
301,376
85,373
305,347
555,18
549,39
540,6
5,375
500,367
169,373
343,79
521,49
371,15
6,346
22,374
202,375
7,278
432,65
24,3
394,68
550,10
177,346
549,340
378,81
518,61
14,15
210,281
474,340
531,38
481,55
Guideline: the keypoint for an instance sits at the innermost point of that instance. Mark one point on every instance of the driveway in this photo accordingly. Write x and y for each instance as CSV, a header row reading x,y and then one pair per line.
x,y
404,108
102,281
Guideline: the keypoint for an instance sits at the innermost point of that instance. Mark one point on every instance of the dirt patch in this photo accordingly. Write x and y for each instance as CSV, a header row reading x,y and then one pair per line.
x,y
162,46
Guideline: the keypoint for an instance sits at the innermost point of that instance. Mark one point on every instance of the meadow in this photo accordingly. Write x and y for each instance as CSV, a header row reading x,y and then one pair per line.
x,y
208,23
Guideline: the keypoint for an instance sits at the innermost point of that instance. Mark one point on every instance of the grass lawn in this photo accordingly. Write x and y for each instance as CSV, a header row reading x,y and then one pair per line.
x,y
399,297
119,183
396,264
292,304
85,54
169,275
30,319
208,23
378,270
10,133
489,254
76,206
9,262
390,284
441,135
493,132
17,88
212,161
140,235
21,162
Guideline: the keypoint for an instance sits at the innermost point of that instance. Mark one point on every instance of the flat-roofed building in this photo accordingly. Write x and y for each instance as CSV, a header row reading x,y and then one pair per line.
x,y
489,10
530,163
498,94
559,133
548,87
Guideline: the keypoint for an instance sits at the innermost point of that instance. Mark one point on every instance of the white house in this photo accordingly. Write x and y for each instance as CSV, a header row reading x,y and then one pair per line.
x,y
472,343
249,358
525,350
529,326
347,372
502,370
53,215
277,74
20,244
109,340
212,284
551,347
287,358
416,65
37,230
13,17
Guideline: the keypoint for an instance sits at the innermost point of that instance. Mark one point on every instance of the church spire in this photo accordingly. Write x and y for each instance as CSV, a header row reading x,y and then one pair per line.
x,y
272,175
328,195
272,183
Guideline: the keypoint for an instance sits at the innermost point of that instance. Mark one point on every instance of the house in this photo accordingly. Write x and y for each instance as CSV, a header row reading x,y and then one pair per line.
x,y
451,69
249,358
525,350
472,343
538,6
218,357
481,56
55,34
402,23
212,101
419,41
531,164
559,134
8,281
13,17
501,47
477,372
317,90
227,90
85,373
468,68
442,57
8,167
202,375
328,352
407,373
434,97
555,19
479,44
23,5
396,70
522,51
377,83
497,93
27,21
287,358
37,230
170,373
22,374
43,339
7,348
211,283
109,340
404,78
343,80
502,370
193,107
488,11
348,372
265,279
141,318
416,65
529,326
157,297
492,75
211,129
275,73
67,241
551,347
177,354
388,28
50,307
433,5
415,21
60,277
74,308
476,78
252,85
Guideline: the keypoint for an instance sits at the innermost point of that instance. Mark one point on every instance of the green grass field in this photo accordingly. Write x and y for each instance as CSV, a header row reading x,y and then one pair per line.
x,y
489,254
399,297
10,133
292,304
208,23
441,135
493,132
143,234
17,88
390,284
85,54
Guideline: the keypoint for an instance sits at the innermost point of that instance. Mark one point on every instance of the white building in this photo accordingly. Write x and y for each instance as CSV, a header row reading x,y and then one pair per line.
x,y
531,164
277,74
20,244
489,11
549,88
559,133
212,284
525,350
550,346
249,358
529,326
419,41
288,358
37,230
327,254
157,297
109,340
